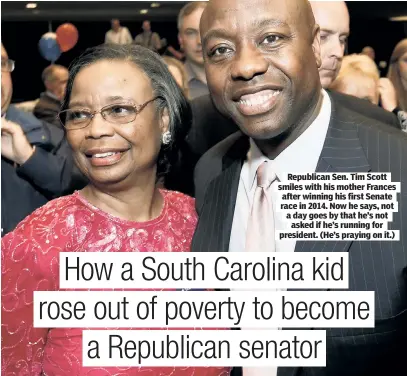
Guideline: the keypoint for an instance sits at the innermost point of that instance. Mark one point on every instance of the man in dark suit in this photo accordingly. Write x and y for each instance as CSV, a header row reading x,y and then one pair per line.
x,y
210,127
261,60
55,78
36,160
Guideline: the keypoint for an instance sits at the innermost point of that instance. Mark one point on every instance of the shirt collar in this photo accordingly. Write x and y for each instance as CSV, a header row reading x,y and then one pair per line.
x,y
51,95
301,156
190,73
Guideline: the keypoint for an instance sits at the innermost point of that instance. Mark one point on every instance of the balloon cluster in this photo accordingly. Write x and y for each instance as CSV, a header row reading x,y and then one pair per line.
x,y
51,45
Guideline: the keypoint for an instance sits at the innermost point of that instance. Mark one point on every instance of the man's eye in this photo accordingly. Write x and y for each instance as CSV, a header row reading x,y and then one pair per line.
x,y
271,39
190,33
220,51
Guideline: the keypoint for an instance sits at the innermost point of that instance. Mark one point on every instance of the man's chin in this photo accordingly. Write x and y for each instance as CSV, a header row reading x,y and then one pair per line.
x,y
197,60
327,77
261,129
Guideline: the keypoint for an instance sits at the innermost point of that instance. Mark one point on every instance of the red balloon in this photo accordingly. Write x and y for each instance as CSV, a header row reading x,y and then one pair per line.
x,y
67,36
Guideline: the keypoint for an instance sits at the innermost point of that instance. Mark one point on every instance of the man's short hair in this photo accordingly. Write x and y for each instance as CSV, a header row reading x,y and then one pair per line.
x,y
189,9
48,74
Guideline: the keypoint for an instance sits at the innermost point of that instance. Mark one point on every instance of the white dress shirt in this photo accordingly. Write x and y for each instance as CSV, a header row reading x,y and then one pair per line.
x,y
122,36
301,156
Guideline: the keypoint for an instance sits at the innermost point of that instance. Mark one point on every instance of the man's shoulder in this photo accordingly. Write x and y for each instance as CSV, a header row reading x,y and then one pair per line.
x,y
211,163
384,146
38,132
366,108
45,101
381,137
365,122
209,126
23,118
217,152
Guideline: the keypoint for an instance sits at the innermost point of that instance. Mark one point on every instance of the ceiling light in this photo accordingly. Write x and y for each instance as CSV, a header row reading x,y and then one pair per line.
x,y
155,5
31,6
400,18
144,11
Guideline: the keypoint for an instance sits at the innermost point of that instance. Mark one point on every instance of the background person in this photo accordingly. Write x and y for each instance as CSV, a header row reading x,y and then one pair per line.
x,y
177,69
359,77
190,42
369,52
148,38
118,34
333,19
47,108
36,161
393,89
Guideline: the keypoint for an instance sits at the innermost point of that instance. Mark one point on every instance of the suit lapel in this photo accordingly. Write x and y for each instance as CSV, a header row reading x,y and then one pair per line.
x,y
216,218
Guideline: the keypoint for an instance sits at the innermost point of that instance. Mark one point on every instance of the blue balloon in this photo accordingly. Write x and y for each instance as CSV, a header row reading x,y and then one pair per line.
x,y
49,48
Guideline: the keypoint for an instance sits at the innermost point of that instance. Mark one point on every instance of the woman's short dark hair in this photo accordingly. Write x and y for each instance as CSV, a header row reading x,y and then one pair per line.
x,y
163,84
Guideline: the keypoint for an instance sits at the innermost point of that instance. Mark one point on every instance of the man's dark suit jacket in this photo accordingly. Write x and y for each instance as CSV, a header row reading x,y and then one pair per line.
x,y
354,143
48,174
47,109
366,108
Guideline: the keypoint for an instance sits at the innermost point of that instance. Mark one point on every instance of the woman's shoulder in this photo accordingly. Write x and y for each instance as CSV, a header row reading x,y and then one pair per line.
x,y
181,203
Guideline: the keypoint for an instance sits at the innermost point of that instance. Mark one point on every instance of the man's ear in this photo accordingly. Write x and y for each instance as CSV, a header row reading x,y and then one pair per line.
x,y
165,121
316,44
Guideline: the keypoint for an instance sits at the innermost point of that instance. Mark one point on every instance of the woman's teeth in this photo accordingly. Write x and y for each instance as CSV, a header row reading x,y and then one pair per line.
x,y
104,155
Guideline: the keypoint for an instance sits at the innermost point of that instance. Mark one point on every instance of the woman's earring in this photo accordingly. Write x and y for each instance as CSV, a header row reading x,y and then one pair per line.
x,y
166,138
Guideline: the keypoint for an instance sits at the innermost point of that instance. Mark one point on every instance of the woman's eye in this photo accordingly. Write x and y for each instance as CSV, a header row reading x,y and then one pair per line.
x,y
77,115
270,39
121,110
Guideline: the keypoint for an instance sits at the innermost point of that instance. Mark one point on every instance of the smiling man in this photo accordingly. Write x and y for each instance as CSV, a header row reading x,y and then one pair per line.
x,y
249,78
261,61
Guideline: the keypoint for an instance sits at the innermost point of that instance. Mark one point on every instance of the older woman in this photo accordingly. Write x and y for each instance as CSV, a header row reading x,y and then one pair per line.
x,y
123,114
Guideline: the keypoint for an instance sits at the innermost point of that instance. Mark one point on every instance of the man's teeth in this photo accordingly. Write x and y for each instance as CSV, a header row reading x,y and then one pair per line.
x,y
104,155
258,98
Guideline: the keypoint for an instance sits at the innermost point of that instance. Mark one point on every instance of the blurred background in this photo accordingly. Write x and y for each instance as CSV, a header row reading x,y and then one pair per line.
x,y
380,24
